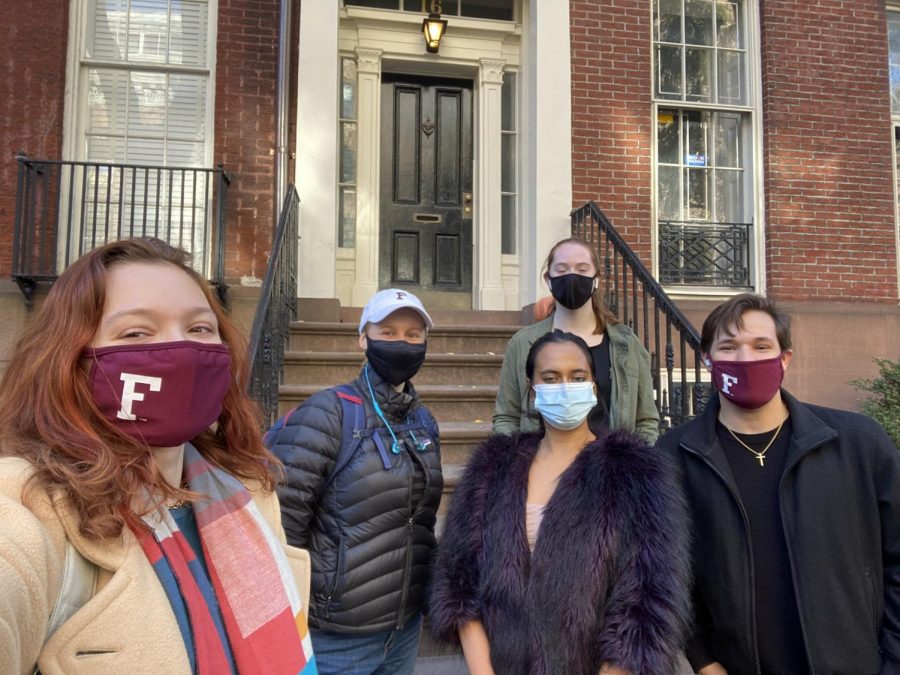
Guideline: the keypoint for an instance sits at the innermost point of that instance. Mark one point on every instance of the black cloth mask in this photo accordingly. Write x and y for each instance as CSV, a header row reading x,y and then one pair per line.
x,y
395,361
572,290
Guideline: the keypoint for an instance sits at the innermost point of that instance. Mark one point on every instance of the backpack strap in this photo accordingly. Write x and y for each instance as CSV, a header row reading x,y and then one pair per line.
x,y
353,428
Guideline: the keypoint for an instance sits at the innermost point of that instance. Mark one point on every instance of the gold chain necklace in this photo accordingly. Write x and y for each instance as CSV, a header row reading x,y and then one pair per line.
x,y
178,503
761,455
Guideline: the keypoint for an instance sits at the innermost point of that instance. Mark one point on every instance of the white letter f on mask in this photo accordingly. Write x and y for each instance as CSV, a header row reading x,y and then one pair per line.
x,y
129,395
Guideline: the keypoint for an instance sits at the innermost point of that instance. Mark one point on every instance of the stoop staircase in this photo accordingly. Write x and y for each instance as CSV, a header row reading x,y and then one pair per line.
x,y
458,381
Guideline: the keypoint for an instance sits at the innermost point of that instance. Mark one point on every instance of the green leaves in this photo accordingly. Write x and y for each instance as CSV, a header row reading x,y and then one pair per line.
x,y
884,403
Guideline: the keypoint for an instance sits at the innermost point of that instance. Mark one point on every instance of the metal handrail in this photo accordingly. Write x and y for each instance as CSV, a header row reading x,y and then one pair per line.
x,y
64,208
633,304
276,310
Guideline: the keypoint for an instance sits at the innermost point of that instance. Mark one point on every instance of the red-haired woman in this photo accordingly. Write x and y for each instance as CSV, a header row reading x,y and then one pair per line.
x,y
140,531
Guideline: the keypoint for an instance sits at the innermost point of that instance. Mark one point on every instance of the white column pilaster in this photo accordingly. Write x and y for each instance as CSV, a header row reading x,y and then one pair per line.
x,y
547,140
489,292
368,68
317,146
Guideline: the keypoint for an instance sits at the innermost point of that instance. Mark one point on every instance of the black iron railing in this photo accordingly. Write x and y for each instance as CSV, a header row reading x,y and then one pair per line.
x,y
276,309
65,208
638,300
705,254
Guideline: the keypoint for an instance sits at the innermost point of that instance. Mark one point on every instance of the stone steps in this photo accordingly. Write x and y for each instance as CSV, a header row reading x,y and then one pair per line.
x,y
458,381
337,367
315,336
447,402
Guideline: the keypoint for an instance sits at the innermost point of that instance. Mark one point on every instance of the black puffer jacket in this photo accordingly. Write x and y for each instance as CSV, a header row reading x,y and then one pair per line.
x,y
371,546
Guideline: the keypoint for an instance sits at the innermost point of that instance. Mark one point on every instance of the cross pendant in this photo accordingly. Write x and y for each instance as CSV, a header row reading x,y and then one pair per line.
x,y
761,458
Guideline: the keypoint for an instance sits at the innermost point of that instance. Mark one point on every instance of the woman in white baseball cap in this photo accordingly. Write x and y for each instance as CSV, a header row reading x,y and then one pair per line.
x,y
364,482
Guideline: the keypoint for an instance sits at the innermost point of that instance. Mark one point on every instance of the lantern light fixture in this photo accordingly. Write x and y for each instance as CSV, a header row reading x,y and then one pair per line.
x,y
433,28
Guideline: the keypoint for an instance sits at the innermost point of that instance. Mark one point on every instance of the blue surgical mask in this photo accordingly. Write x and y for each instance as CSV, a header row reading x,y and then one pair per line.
x,y
564,406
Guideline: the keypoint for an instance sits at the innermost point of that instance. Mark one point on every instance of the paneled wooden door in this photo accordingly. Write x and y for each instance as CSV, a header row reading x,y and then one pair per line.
x,y
426,187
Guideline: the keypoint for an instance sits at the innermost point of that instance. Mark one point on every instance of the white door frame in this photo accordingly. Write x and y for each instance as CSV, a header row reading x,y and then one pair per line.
x,y
478,50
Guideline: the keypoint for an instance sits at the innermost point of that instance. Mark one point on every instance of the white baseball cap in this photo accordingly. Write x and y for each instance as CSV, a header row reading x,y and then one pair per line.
x,y
386,302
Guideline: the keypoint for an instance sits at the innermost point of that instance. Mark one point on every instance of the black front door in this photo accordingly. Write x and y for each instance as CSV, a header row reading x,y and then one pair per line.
x,y
426,187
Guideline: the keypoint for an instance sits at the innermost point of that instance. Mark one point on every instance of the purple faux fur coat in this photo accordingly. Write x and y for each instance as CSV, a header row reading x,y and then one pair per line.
x,y
608,580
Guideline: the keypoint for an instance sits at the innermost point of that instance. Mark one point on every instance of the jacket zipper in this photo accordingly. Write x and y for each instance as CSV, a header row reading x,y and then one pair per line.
x,y
409,528
787,541
749,547
337,572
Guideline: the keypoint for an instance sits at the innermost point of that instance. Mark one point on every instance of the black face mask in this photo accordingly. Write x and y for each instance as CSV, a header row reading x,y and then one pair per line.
x,y
572,290
395,361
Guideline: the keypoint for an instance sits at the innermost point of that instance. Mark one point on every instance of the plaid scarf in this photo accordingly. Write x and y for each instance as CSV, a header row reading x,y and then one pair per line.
x,y
261,628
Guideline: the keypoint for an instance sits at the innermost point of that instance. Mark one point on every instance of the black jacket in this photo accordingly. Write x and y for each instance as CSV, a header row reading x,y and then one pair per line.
x,y
840,505
371,546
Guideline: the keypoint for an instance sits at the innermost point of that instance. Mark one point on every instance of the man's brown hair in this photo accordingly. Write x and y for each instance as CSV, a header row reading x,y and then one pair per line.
x,y
731,313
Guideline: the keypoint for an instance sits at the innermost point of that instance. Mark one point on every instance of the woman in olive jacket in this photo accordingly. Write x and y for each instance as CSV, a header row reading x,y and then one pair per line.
x,y
621,364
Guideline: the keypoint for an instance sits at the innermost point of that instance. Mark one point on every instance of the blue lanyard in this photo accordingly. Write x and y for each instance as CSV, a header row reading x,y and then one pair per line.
x,y
396,448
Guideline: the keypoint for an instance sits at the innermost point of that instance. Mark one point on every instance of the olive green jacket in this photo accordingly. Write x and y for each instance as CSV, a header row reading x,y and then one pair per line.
x,y
632,404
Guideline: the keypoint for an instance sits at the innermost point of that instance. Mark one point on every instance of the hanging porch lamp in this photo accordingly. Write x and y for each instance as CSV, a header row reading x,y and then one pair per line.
x,y
433,27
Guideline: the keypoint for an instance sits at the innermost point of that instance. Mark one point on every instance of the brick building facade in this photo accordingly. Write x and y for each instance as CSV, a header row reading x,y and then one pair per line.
x,y
790,104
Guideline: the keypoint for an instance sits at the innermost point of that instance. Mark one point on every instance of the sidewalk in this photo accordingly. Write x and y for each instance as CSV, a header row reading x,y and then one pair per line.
x,y
454,665
440,665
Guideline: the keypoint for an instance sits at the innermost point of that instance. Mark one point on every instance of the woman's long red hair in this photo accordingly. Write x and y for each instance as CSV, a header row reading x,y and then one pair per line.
x,y
47,413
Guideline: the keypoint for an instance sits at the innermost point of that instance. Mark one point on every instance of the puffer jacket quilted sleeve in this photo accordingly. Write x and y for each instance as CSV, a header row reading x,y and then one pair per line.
x,y
308,445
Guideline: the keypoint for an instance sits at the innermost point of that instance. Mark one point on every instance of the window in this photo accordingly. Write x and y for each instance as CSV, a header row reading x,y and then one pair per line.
x,y
146,75
704,142
893,19
145,99
477,9
509,151
893,23
347,163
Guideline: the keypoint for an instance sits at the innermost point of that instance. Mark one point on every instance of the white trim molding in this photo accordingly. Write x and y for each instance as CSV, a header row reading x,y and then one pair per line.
x,y
318,73
488,278
368,203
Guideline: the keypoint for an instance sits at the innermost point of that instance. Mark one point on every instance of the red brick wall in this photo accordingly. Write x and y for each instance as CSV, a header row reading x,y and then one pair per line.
x,y
246,62
31,98
829,206
612,125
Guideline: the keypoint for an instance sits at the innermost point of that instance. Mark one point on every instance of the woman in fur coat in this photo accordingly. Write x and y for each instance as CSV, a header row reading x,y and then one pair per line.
x,y
564,552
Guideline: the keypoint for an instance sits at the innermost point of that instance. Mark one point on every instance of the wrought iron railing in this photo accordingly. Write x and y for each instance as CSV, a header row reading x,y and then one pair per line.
x,y
705,254
65,208
276,309
638,300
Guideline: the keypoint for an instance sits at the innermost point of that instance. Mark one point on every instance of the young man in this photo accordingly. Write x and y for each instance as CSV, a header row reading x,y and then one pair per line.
x,y
363,484
796,516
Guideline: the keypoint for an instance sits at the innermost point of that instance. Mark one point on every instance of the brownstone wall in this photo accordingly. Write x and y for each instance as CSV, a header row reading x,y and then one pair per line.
x,y
826,111
612,125
31,98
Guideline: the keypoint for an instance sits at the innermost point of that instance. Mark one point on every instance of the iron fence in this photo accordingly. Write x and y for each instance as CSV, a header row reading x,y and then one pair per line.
x,y
705,254
276,309
638,300
66,208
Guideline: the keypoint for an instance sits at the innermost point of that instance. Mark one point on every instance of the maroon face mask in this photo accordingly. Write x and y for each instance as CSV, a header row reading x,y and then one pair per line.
x,y
163,394
748,384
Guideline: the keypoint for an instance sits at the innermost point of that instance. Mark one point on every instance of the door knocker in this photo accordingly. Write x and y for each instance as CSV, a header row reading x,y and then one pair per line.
x,y
428,127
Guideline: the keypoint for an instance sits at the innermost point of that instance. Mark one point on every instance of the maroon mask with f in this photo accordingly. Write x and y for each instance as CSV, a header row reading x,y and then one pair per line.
x,y
163,394
748,384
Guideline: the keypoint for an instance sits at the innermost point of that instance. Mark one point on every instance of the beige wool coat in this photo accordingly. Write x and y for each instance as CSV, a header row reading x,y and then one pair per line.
x,y
127,627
